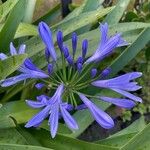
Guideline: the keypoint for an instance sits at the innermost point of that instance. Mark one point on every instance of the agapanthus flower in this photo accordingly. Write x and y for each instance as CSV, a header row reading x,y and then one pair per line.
x,y
71,78
13,51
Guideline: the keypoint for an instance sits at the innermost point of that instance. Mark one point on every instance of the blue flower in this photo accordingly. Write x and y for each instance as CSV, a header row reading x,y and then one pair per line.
x,y
71,78
53,107
28,70
13,51
122,85
107,45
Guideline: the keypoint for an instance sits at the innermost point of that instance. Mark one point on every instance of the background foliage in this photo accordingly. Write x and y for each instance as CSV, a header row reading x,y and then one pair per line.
x,y
16,24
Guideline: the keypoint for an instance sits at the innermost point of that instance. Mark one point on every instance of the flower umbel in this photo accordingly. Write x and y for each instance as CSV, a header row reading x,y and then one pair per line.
x,y
68,80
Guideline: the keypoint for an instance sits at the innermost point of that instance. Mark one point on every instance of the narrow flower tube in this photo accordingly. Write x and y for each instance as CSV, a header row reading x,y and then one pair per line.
x,y
93,72
84,47
60,40
74,43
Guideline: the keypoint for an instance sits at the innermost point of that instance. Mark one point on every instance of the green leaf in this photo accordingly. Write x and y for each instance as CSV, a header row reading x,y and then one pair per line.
x,y
123,136
5,146
28,14
140,140
92,5
131,51
8,31
66,143
6,65
50,16
114,16
17,136
6,7
136,126
22,114
26,29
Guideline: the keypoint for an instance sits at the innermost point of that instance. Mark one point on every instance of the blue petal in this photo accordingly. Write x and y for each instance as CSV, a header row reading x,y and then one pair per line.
x,y
100,116
70,60
93,72
104,35
15,79
125,103
3,56
69,120
22,49
50,69
65,51
53,120
84,47
46,36
57,96
35,104
12,49
105,72
80,107
29,64
60,40
74,43
38,118
39,85
129,95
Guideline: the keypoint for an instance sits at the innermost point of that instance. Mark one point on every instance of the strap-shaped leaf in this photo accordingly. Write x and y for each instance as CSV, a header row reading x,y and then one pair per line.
x,y
6,65
8,31
115,16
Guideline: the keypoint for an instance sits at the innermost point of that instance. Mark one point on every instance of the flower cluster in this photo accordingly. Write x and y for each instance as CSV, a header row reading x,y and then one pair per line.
x,y
70,79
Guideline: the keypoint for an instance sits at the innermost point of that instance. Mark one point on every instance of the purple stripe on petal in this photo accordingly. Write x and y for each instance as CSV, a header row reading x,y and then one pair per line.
x,y
100,116
53,120
35,104
39,117
69,120
104,35
129,95
3,56
38,74
46,36
57,96
124,103
13,80
12,49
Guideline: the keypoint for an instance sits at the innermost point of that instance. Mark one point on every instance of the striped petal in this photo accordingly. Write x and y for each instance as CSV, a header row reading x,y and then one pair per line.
x,y
124,103
38,118
100,116
69,120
